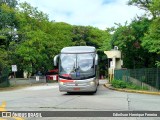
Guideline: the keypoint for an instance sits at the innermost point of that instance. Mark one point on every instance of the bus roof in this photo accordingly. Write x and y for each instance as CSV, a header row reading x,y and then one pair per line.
x,y
78,49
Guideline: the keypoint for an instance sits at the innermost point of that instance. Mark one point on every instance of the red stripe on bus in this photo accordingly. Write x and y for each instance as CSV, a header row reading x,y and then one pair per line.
x,y
66,81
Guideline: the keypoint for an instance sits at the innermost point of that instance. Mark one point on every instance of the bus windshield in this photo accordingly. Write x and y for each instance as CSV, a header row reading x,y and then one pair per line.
x,y
77,66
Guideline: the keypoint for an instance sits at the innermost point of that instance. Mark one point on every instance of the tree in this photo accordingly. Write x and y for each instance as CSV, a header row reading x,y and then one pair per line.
x,y
39,40
28,47
155,8
31,41
90,36
7,25
10,3
150,6
80,34
151,41
143,4
7,33
129,38
3,58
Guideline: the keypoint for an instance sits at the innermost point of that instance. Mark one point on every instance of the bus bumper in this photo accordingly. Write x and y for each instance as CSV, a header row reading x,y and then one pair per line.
x,y
78,86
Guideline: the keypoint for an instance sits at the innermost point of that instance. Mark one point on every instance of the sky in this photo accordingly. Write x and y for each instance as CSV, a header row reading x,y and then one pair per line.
x,y
97,13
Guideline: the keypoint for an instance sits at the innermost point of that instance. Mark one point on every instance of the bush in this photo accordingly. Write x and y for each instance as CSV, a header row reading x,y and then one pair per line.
x,y
123,84
119,84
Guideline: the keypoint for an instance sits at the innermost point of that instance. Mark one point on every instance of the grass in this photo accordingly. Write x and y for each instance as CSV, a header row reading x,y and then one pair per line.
x,y
128,85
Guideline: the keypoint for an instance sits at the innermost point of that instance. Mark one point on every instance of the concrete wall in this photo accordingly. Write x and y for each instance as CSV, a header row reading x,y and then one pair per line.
x,y
113,53
139,83
115,63
26,81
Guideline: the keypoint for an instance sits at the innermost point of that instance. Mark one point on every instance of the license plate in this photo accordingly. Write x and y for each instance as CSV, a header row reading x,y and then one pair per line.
x,y
76,88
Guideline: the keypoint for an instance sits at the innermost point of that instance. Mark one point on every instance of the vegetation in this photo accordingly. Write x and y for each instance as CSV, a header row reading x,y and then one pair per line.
x,y
30,40
128,85
140,40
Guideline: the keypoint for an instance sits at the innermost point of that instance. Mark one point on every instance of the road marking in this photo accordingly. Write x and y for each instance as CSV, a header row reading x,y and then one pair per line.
x,y
41,87
2,119
3,109
18,118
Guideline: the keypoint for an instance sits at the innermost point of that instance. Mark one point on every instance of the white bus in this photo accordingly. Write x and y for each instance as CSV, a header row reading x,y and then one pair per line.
x,y
78,69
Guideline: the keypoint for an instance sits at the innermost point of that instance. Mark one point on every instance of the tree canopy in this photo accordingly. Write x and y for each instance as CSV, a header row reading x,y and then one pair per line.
x,y
29,39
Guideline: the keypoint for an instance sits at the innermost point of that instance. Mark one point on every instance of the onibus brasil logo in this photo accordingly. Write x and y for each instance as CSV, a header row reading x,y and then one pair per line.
x,y
6,114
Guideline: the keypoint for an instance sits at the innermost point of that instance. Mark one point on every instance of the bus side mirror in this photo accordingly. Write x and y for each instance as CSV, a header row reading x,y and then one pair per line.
x,y
96,59
55,61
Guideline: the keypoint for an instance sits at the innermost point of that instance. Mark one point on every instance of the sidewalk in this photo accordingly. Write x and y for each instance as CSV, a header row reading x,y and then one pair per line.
x,y
103,81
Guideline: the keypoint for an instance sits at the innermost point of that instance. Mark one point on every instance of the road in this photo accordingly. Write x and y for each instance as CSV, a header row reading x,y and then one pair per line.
x,y
48,98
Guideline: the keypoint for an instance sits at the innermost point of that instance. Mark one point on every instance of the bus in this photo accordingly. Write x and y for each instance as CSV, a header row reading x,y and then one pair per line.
x,y
78,69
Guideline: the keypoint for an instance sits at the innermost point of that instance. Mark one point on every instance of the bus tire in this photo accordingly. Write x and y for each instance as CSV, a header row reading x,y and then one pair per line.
x,y
69,92
94,92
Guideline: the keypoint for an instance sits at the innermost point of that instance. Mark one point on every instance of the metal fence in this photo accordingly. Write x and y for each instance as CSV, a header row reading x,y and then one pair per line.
x,y
4,81
150,76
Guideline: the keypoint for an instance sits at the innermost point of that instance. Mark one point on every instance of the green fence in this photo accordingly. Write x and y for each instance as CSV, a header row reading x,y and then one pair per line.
x,y
150,76
4,82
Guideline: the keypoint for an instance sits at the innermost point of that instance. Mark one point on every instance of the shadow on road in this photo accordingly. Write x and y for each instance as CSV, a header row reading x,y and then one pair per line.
x,y
79,93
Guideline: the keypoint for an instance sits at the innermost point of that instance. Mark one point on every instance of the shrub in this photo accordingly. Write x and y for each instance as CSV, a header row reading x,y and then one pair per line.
x,y
119,84
123,84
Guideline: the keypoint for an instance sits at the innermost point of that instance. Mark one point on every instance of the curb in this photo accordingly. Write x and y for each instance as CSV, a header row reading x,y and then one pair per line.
x,y
16,87
131,91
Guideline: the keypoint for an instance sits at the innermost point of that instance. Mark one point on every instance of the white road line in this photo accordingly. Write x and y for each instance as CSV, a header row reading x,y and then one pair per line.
x,y
41,87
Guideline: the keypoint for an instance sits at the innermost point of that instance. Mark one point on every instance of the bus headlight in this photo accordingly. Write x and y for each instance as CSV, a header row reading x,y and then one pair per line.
x,y
61,83
92,83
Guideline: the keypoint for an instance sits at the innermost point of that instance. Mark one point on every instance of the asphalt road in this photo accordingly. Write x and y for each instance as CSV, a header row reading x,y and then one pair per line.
x,y
48,98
